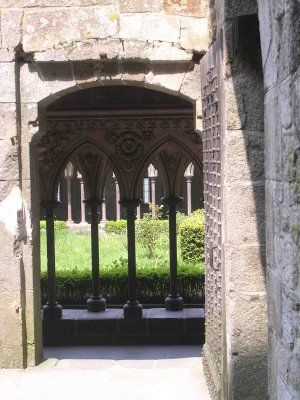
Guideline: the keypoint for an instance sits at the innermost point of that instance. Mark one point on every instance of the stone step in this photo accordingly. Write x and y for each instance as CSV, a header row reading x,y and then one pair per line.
x,y
158,326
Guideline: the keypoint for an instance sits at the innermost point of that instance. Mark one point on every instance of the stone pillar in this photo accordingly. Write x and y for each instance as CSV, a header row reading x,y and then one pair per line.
x,y
69,170
118,209
52,310
133,309
138,212
96,302
152,173
153,194
189,173
83,217
69,199
103,212
173,302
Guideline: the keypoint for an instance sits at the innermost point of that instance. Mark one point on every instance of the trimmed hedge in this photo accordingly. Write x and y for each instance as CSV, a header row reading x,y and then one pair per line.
x,y
73,287
58,225
191,236
117,227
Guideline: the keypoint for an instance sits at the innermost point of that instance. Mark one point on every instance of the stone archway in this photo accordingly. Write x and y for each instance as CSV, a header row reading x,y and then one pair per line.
x,y
34,119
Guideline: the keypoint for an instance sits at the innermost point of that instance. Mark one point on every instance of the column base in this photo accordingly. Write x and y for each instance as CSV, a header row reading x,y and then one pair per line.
x,y
96,304
52,311
133,309
174,303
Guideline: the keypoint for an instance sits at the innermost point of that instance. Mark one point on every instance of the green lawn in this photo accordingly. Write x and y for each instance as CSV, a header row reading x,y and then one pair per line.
x,y
73,251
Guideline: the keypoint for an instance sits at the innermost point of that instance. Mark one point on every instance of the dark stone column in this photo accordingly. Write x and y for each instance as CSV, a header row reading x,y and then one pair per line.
x,y
133,309
52,310
173,302
96,302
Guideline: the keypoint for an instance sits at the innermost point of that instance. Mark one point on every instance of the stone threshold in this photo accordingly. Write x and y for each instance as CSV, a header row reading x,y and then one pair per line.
x,y
157,326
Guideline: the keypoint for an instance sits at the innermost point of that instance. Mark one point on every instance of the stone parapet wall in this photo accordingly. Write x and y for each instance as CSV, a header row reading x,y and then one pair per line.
x,y
280,33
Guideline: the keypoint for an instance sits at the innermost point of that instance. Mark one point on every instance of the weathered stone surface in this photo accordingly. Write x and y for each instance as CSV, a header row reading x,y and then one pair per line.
x,y
194,8
243,7
248,322
55,79
11,22
54,3
244,156
150,27
191,85
8,121
245,220
194,34
8,92
246,384
128,6
160,77
247,271
56,29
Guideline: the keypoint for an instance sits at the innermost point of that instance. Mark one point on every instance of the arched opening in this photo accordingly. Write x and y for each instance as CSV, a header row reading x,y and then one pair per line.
x,y
112,136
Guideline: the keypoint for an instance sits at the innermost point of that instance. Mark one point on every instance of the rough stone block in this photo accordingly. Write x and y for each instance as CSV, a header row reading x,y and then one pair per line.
x,y
249,378
194,8
248,323
12,356
41,81
244,156
246,267
244,220
8,86
243,7
165,28
11,23
161,76
244,102
137,6
55,29
11,332
191,85
94,71
194,34
8,121
131,26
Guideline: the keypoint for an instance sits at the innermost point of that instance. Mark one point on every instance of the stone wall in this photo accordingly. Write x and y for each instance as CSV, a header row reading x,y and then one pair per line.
x,y
243,362
50,47
280,40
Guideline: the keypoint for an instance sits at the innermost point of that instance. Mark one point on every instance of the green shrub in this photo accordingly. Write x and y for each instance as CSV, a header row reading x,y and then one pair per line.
x,y
151,234
58,225
73,286
191,236
117,227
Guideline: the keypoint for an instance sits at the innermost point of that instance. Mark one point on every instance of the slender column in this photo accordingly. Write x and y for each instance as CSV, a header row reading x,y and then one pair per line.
x,y
133,309
69,198
189,194
52,310
83,218
103,212
96,302
118,209
153,194
173,302
138,212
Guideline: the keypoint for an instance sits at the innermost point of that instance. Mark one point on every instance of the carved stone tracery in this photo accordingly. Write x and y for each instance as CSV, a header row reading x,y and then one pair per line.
x,y
125,142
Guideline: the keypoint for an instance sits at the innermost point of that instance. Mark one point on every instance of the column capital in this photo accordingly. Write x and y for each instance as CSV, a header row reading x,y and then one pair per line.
x,y
172,201
49,206
130,205
93,203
